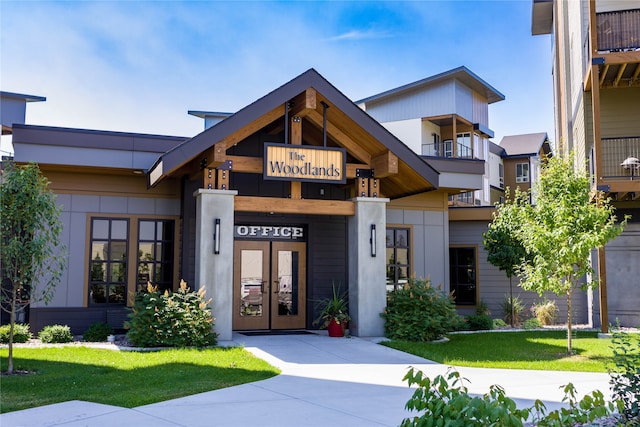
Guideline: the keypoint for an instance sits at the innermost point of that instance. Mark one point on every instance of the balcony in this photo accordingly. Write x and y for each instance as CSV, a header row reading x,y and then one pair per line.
x,y
448,148
614,152
618,31
620,179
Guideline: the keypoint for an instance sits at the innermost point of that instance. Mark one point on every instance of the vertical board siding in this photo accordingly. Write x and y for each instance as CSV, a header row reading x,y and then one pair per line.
x,y
494,284
431,101
464,101
480,109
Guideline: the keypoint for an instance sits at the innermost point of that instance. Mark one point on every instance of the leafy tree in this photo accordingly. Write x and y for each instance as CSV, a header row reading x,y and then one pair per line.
x,y
31,258
504,248
560,231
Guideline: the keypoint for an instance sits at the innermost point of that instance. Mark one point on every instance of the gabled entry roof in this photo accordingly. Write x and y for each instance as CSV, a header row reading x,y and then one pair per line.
x,y
367,142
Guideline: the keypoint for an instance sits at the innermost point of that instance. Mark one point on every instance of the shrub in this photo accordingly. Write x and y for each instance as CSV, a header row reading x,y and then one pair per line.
x,y
178,319
54,334
479,322
532,323
499,323
546,312
451,405
21,333
518,309
419,312
97,332
625,375
483,308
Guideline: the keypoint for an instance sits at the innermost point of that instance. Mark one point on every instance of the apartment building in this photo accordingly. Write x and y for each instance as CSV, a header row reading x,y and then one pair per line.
x,y
445,119
596,84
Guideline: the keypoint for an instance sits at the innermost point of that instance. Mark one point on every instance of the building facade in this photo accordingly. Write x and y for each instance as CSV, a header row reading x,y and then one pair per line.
x,y
596,78
266,209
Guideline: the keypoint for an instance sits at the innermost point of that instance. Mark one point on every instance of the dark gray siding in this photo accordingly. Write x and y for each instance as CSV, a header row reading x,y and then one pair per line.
x,y
494,284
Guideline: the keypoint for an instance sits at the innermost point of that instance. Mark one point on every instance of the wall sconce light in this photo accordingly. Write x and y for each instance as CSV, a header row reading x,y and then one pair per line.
x,y
216,236
372,240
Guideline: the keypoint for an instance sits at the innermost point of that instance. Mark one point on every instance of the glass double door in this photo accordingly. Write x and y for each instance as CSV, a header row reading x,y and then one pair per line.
x,y
269,285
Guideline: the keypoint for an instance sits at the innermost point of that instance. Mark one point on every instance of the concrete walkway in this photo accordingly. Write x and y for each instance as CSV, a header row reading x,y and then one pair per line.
x,y
324,382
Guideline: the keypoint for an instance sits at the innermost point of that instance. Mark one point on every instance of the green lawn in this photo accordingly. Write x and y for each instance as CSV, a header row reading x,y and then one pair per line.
x,y
544,350
122,378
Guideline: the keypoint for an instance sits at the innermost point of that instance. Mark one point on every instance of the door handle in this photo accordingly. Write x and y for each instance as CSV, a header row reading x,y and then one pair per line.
x,y
276,282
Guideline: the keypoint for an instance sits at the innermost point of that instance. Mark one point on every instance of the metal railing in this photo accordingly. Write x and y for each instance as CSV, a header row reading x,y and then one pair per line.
x,y
445,149
619,30
614,152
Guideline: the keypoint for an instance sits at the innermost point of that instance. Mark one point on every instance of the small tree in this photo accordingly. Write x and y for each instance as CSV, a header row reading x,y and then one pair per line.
x,y
31,258
560,231
504,248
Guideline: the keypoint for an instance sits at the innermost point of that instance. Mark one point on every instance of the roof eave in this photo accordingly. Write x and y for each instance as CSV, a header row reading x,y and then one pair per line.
x,y
541,17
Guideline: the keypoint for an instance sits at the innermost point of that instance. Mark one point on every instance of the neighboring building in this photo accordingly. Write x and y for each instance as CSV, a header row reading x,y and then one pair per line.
x,y
13,108
265,209
522,158
596,83
445,118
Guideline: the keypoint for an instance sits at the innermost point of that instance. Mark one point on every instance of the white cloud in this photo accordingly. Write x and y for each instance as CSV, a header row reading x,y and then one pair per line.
x,y
361,35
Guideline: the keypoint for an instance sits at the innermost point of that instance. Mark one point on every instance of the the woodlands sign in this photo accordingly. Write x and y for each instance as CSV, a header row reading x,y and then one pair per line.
x,y
298,163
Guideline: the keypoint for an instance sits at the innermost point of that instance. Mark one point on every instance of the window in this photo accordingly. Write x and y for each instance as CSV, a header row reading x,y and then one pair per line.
x,y
522,172
111,276
155,253
501,174
464,144
108,265
398,265
447,148
462,272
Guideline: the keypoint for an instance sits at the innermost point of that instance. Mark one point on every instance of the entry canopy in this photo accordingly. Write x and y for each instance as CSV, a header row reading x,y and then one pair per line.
x,y
368,145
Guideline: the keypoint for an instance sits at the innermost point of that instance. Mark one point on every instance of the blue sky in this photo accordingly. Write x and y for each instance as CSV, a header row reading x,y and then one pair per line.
x,y
140,66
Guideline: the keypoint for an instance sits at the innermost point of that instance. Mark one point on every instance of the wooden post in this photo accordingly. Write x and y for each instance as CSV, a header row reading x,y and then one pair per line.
x,y
602,279
454,139
208,179
597,151
223,179
295,189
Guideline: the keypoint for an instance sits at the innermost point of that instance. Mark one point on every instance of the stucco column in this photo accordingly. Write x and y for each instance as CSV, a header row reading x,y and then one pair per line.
x,y
214,272
367,278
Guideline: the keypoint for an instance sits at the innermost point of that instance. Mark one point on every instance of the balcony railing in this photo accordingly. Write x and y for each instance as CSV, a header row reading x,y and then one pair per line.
x,y
614,152
618,31
445,149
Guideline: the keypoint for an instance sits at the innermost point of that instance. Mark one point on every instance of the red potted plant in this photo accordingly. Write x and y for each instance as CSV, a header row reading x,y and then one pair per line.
x,y
334,313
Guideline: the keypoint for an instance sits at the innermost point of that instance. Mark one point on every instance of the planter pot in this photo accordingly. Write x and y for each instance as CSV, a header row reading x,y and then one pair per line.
x,y
111,338
336,329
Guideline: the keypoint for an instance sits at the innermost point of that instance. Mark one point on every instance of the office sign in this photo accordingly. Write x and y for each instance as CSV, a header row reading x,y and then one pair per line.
x,y
304,163
268,232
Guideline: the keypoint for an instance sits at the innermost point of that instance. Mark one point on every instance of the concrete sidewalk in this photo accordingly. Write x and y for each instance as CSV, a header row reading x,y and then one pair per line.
x,y
324,382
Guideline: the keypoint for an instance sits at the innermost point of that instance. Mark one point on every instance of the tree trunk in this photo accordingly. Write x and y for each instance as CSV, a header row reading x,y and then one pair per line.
x,y
513,309
569,324
12,324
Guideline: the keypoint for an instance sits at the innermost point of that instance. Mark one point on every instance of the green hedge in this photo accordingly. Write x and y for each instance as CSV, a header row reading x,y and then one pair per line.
x,y
419,312
178,319
21,333
55,334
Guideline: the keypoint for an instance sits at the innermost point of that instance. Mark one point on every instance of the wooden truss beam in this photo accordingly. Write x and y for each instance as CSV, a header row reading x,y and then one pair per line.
x,y
293,206
616,82
342,138
385,165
